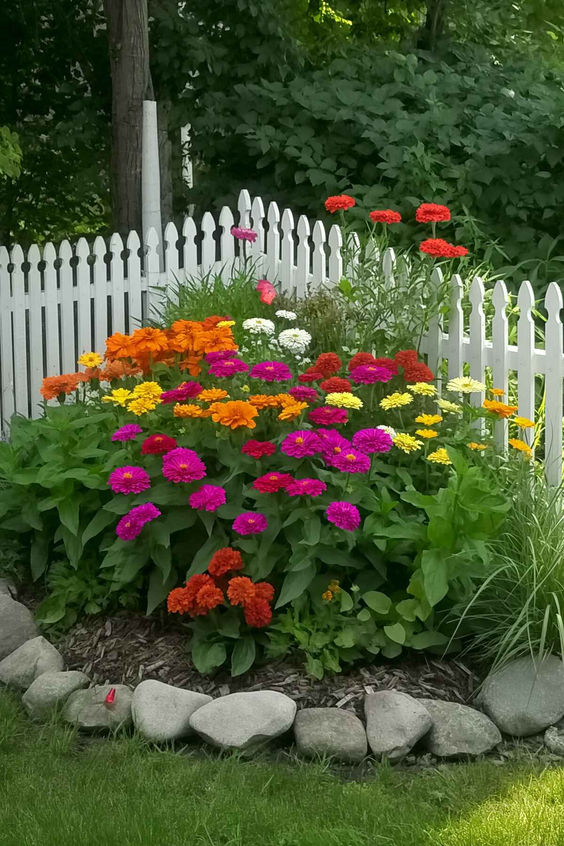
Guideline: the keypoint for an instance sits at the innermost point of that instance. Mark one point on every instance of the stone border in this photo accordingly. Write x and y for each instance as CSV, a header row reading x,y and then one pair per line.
x,y
521,699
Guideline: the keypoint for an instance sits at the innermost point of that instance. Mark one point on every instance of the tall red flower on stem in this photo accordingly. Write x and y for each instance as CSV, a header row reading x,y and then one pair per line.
x,y
385,216
340,202
432,213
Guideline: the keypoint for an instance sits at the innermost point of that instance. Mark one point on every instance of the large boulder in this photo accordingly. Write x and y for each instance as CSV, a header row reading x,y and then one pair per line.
x,y
88,709
50,691
241,720
525,696
394,723
29,661
458,730
16,625
8,588
162,712
330,732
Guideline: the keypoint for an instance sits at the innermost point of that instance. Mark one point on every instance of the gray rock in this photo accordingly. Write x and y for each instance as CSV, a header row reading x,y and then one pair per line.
x,y
394,723
16,625
241,720
87,709
554,740
50,691
29,661
330,731
8,588
525,696
458,730
162,712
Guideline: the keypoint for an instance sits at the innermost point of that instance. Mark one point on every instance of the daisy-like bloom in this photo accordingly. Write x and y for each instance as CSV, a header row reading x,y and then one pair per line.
x,y
428,419
227,368
306,487
141,405
500,409
427,433
332,442
119,396
476,446
301,443
286,315
219,355
207,498
234,414
271,371
187,390
224,561
243,234
158,445
250,523
295,340
395,400
212,395
272,482
369,374
292,410
129,479
183,465
258,449
301,393
328,364
258,326
187,410
423,388
90,359
344,399
130,525
449,407
370,441
336,384
264,400
440,456
148,390
351,461
524,422
343,515
496,392
407,443
520,445
127,433
465,385
325,415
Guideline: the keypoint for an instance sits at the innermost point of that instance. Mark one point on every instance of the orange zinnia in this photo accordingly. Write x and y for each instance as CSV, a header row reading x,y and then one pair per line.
x,y
499,408
235,414
292,410
53,386
264,400
116,370
118,346
212,394
189,410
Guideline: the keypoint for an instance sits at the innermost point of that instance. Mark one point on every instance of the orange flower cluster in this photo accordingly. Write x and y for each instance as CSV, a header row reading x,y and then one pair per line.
x,y
54,386
500,409
234,414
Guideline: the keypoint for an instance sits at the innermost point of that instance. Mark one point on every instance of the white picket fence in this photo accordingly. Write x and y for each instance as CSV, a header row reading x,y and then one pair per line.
x,y
58,303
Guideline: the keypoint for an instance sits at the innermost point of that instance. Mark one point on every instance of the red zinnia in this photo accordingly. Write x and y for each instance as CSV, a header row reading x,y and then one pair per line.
x,y
272,482
418,373
405,358
432,213
258,449
360,359
385,216
341,202
225,561
335,384
328,363
240,590
310,375
258,613
388,363
439,248
208,598
264,590
158,445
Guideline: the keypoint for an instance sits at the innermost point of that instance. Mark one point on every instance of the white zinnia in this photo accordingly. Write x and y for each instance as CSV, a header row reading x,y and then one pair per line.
x,y
295,340
287,315
391,432
259,326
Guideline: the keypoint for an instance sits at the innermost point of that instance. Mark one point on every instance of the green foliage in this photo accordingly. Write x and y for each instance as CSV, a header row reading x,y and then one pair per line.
x,y
10,153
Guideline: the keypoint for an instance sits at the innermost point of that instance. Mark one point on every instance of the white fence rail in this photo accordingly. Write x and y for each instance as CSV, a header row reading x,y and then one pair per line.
x,y
57,303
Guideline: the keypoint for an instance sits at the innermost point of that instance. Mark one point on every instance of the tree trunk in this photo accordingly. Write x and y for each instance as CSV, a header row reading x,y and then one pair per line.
x,y
128,33
434,24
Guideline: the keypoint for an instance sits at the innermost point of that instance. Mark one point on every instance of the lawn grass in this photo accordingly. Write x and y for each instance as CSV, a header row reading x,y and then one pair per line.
x,y
57,790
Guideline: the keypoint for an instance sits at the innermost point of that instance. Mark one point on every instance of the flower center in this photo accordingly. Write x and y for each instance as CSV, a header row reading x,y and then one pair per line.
x,y
350,456
158,439
251,520
128,475
128,524
183,466
299,440
337,450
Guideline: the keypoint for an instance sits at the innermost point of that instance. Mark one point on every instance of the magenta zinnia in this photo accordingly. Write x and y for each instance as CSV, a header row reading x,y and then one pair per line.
x,y
271,371
129,479
306,487
127,432
208,498
299,444
243,234
326,415
343,515
185,391
227,368
372,440
130,525
250,523
303,394
368,374
183,465
220,355
351,461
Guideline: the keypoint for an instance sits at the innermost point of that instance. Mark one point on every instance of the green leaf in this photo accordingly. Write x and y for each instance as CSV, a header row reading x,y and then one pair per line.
x,y
364,615
314,667
39,557
243,656
346,600
294,584
407,609
395,632
159,588
424,640
68,513
377,601
345,638
51,610
435,575
207,656
99,522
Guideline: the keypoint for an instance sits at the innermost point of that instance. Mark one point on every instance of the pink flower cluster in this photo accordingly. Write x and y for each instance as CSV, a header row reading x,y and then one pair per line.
x,y
129,527
208,498
271,371
127,433
185,391
243,234
183,465
250,523
228,367
129,479
368,374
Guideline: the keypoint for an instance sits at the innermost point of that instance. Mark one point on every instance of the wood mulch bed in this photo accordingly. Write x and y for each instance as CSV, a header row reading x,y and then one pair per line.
x,y
128,648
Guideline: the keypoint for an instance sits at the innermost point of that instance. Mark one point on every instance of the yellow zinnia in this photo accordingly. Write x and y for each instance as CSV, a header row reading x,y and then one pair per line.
x,y
119,397
440,456
407,443
395,400
520,445
427,433
465,385
428,419
343,399
148,390
90,359
423,388
449,407
292,410
476,446
141,405
523,422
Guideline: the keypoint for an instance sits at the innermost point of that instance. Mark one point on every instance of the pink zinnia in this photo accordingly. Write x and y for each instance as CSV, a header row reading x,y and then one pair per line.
x,y
185,391
266,290
129,479
130,525
220,355
372,440
343,515
351,461
271,371
272,482
250,523
227,368
183,465
306,487
303,394
326,415
300,444
127,432
243,234
258,449
208,498
368,374
332,442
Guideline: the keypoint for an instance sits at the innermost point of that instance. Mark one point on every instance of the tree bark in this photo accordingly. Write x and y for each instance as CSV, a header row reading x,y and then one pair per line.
x,y
432,29
128,34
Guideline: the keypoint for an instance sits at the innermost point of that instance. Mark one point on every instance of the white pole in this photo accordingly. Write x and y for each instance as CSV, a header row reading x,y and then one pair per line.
x,y
150,174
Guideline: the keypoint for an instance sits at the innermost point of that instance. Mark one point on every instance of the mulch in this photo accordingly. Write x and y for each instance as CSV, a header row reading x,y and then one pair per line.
x,y
128,648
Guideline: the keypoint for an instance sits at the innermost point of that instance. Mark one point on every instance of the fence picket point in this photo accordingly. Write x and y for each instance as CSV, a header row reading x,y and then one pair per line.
x,y
525,357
